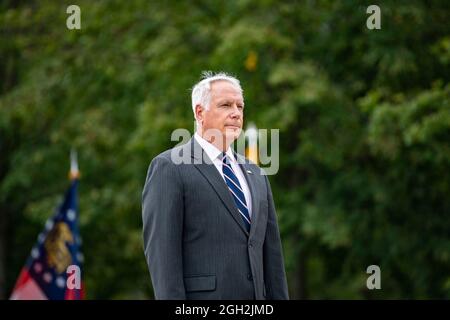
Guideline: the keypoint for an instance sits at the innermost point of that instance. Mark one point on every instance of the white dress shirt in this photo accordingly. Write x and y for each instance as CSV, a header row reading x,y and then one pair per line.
x,y
213,154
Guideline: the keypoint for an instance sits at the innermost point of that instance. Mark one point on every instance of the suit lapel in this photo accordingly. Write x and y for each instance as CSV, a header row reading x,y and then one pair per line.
x,y
209,171
249,175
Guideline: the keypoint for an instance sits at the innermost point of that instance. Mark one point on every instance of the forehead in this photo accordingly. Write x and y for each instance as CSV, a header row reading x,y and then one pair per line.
x,y
224,89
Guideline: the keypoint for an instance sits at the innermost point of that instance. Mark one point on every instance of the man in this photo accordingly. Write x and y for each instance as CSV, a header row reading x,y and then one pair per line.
x,y
209,225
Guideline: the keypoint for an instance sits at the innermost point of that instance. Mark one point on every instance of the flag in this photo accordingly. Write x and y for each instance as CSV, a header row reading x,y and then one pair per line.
x,y
53,269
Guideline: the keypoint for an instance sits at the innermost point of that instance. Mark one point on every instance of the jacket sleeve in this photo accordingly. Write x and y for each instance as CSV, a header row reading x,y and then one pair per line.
x,y
162,216
274,272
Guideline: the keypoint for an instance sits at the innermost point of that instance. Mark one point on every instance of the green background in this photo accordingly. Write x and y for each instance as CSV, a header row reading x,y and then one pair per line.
x,y
364,120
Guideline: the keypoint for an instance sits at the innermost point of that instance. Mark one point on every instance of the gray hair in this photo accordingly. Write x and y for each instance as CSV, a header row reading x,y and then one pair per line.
x,y
201,92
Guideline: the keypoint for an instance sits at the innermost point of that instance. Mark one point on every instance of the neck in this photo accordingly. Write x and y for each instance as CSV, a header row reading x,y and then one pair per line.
x,y
219,141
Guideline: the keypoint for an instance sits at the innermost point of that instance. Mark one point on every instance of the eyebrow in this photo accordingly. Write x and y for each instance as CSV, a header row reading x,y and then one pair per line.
x,y
230,101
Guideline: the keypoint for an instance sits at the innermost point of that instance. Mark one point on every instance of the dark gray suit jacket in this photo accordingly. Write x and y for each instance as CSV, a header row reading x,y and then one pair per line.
x,y
195,241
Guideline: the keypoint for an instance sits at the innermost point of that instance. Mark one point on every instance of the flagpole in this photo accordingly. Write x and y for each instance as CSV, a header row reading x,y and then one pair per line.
x,y
74,173
252,150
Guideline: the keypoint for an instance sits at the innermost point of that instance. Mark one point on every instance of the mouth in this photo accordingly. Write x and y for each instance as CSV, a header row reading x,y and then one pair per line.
x,y
232,127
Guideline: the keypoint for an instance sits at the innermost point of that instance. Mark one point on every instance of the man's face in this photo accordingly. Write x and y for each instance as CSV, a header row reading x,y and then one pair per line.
x,y
225,113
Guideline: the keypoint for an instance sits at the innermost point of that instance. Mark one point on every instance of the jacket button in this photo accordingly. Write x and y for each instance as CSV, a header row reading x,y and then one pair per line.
x,y
249,277
250,245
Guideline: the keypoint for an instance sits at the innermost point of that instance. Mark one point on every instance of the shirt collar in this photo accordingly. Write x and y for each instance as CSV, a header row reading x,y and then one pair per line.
x,y
211,149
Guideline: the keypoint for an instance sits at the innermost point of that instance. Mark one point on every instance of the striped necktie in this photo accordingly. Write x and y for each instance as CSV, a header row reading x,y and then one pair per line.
x,y
236,190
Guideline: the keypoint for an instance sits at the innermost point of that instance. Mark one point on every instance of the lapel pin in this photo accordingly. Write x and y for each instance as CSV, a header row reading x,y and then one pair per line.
x,y
248,171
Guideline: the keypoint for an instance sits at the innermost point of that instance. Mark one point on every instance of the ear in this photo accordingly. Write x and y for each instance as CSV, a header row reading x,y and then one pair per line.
x,y
199,113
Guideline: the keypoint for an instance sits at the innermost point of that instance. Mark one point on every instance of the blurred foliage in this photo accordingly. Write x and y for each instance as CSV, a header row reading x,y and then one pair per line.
x,y
364,119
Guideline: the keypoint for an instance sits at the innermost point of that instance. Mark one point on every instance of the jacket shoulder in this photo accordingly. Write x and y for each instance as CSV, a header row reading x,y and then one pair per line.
x,y
172,154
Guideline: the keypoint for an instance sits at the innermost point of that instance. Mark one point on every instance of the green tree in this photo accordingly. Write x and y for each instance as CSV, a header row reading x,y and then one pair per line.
x,y
364,123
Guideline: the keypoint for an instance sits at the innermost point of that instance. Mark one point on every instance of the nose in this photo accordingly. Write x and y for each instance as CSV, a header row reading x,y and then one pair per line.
x,y
236,113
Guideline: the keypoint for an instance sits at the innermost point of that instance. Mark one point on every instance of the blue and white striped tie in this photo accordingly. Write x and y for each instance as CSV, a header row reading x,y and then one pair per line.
x,y
236,190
